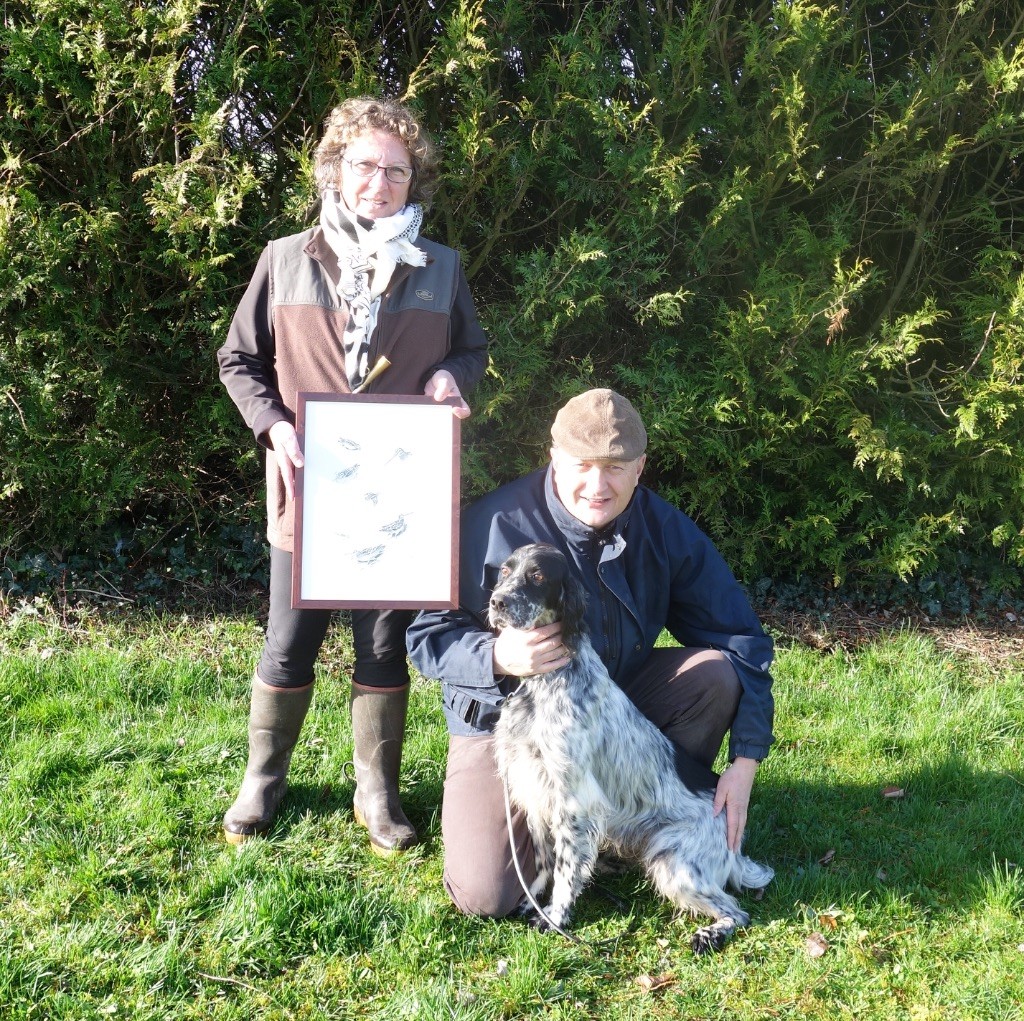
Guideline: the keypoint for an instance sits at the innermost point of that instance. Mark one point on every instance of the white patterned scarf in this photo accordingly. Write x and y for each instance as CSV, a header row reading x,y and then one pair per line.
x,y
368,252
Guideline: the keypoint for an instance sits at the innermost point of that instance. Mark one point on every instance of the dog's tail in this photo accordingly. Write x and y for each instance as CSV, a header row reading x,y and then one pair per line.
x,y
749,874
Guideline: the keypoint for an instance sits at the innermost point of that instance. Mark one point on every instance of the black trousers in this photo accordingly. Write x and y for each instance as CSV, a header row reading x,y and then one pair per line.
x,y
294,638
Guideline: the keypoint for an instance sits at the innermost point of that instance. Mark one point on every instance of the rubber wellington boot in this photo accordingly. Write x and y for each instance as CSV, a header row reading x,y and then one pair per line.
x,y
275,719
378,727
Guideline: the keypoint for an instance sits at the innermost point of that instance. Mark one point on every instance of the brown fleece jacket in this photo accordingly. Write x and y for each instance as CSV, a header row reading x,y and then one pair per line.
x,y
287,336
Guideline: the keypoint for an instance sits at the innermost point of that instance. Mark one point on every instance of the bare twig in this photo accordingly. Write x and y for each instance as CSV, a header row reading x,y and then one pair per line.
x,y
227,980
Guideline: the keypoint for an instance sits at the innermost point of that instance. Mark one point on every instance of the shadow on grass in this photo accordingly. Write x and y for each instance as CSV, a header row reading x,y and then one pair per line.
x,y
421,800
934,837
936,846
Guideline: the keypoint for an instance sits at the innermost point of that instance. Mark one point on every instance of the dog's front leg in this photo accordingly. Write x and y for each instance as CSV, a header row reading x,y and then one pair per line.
x,y
542,856
575,855
543,860
540,839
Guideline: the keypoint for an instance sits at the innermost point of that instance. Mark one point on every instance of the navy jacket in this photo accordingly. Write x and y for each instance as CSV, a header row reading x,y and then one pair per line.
x,y
651,569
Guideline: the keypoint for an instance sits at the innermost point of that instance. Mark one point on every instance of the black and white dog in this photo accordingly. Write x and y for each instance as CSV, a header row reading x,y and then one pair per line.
x,y
592,773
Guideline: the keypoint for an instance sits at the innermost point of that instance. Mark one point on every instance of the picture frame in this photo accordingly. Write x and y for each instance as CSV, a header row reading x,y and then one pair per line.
x,y
376,502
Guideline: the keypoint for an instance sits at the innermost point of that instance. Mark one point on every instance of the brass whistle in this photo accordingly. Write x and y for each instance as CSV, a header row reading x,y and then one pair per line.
x,y
382,364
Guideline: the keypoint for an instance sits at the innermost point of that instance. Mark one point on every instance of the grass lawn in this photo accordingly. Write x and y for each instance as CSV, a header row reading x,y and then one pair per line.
x,y
122,743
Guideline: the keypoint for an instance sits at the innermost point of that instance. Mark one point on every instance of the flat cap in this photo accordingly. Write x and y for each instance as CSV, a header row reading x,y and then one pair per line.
x,y
599,425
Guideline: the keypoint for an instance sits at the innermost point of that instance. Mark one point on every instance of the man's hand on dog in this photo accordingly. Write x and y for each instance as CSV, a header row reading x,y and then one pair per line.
x,y
733,794
525,653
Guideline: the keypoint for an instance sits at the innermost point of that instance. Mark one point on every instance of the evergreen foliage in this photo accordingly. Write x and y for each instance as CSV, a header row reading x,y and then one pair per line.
x,y
788,231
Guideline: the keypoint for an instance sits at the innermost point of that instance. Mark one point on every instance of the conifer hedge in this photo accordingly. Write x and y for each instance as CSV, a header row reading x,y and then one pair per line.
x,y
790,231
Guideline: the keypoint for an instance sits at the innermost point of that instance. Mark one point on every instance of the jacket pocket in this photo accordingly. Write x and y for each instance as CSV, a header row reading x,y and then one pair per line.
x,y
479,715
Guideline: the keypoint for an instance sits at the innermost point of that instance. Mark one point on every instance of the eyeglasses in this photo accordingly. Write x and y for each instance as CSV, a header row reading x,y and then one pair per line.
x,y
367,168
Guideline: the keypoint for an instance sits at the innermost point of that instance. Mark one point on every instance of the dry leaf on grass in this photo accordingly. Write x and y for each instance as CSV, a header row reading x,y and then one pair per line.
x,y
654,983
816,945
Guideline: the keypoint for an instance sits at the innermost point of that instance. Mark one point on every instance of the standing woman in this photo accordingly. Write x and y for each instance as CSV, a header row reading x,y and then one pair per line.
x,y
322,310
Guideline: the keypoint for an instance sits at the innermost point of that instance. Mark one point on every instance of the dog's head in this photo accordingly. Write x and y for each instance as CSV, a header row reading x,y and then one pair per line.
x,y
536,586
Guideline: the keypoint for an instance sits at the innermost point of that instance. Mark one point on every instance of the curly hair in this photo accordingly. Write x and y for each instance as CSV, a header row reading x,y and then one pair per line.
x,y
357,116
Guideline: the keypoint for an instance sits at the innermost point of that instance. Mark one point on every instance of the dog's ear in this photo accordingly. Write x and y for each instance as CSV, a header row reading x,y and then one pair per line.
x,y
574,605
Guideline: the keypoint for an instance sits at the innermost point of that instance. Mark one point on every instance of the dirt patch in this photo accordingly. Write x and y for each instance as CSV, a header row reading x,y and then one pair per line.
x,y
998,640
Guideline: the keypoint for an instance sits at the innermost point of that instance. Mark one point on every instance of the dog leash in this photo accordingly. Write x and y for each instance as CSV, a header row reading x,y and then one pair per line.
x,y
522,879
515,859
600,947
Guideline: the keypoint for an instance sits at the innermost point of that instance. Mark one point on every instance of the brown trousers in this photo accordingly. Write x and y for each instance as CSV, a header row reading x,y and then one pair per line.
x,y
691,695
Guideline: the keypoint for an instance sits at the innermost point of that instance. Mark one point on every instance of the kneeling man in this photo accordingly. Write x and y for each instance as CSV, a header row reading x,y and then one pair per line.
x,y
646,567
